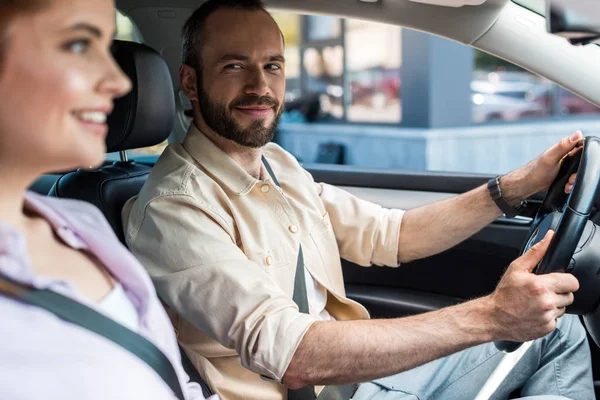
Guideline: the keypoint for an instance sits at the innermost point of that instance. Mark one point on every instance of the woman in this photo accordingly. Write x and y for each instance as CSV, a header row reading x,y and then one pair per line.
x,y
58,81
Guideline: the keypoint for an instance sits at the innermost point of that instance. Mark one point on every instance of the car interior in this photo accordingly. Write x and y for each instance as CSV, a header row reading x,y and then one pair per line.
x,y
154,111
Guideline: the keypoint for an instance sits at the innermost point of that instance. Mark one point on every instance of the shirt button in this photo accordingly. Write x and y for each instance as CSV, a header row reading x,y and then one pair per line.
x,y
293,228
265,188
269,260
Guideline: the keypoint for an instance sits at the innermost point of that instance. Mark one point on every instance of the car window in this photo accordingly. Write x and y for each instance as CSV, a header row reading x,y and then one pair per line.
x,y
374,95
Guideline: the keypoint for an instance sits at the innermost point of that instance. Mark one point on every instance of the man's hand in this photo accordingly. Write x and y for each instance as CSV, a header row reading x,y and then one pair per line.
x,y
436,227
525,306
539,174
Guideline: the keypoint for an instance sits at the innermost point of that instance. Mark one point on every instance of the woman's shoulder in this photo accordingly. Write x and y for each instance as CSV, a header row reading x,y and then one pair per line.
x,y
69,211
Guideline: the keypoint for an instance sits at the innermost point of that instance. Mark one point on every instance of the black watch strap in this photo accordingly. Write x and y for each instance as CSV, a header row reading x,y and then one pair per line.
x,y
496,193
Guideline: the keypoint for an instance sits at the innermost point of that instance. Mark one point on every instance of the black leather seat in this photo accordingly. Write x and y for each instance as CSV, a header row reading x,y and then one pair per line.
x,y
142,118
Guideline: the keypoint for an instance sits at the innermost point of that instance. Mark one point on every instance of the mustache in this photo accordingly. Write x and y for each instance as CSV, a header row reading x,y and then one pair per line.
x,y
248,101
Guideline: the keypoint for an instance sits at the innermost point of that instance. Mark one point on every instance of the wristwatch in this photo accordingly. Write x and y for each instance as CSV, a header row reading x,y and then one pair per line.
x,y
496,193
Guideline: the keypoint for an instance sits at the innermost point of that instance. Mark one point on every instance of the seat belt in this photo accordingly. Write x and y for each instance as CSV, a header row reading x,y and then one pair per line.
x,y
193,373
300,297
87,318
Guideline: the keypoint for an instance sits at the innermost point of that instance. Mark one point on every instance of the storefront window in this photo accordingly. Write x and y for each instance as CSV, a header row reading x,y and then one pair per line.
x,y
324,68
320,27
289,23
374,58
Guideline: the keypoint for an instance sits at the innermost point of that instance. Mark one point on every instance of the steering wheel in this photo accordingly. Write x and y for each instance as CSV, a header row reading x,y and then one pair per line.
x,y
575,247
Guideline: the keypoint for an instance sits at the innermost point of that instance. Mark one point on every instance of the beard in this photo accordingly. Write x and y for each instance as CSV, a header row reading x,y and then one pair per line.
x,y
220,119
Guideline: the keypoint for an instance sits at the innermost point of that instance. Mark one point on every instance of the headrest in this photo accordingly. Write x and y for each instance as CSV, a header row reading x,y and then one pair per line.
x,y
145,116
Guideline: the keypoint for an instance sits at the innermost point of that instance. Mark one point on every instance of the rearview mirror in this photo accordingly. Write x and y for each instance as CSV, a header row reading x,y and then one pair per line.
x,y
577,21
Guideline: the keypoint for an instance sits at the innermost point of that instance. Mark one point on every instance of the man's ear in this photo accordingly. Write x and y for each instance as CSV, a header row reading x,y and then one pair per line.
x,y
188,82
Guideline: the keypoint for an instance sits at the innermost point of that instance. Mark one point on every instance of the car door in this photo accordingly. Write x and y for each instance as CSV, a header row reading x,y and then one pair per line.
x,y
471,269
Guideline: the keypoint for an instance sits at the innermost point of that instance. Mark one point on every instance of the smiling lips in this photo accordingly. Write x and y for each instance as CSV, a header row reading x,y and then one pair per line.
x,y
256,111
93,121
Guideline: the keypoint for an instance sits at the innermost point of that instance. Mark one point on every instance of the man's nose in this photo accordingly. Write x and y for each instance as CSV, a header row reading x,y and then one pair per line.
x,y
257,84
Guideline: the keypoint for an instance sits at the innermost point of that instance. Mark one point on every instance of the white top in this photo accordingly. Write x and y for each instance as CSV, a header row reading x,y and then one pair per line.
x,y
119,307
317,298
45,357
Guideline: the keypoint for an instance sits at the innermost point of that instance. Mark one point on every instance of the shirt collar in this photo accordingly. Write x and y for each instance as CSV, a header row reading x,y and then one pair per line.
x,y
15,262
218,164
14,256
35,203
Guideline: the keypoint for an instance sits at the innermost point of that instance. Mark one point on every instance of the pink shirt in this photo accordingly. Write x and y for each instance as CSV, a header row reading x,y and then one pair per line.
x,y
44,357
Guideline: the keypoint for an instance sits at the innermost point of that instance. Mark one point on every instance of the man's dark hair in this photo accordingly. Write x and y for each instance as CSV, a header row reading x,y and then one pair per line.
x,y
192,35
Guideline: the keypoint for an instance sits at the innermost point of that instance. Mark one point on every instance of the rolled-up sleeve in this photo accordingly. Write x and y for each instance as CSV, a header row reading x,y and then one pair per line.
x,y
367,234
204,276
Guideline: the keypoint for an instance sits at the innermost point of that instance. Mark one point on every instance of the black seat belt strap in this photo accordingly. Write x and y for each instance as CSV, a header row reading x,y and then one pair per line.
x,y
193,373
300,297
79,314
270,171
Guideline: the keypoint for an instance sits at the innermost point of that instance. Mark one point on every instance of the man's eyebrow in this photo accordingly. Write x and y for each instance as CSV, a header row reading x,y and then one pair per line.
x,y
241,57
277,57
82,26
233,56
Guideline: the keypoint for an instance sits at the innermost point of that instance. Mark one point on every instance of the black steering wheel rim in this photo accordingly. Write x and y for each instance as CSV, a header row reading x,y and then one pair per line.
x,y
569,216
572,248
571,212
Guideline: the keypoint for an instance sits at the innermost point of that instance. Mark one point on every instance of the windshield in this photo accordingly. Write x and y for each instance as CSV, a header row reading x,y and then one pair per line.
x,y
539,7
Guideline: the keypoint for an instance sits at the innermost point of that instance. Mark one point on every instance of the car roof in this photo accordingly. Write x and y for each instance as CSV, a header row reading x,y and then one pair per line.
x,y
464,24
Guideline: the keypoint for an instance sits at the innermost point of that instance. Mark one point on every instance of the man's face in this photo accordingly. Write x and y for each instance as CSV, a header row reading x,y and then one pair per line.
x,y
241,81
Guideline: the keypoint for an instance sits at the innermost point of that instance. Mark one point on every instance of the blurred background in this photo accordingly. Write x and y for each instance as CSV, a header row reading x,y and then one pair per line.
x,y
374,95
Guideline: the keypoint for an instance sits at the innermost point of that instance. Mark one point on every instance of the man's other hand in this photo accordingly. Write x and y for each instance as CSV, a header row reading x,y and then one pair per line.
x,y
539,174
525,306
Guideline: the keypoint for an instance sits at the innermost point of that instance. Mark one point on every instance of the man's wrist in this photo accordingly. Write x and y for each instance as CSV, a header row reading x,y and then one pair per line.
x,y
488,313
479,320
513,189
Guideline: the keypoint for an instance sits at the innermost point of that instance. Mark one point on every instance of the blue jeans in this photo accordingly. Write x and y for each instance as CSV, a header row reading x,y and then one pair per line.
x,y
558,364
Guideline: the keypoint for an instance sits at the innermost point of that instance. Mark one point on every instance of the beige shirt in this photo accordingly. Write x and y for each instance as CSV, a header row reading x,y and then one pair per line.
x,y
221,248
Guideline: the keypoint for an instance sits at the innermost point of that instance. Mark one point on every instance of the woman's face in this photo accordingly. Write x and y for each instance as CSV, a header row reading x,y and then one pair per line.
x,y
57,84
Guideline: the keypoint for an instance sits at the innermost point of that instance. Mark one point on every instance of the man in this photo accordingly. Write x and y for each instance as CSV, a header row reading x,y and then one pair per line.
x,y
221,235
